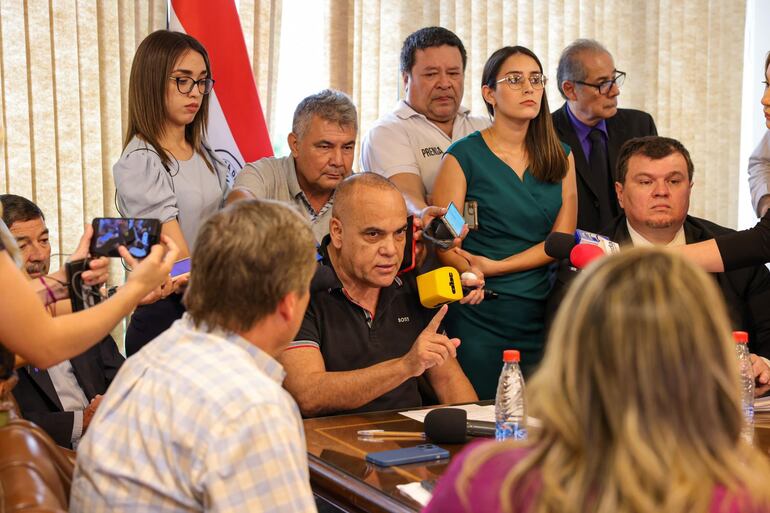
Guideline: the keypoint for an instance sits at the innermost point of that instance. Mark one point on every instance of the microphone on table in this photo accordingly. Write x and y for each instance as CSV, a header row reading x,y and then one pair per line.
x,y
451,426
444,285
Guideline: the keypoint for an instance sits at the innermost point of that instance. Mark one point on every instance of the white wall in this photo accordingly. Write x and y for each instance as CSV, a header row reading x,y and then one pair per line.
x,y
752,120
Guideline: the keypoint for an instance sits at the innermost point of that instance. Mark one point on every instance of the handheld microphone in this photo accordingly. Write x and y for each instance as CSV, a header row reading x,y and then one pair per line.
x,y
444,285
583,254
558,245
584,237
451,426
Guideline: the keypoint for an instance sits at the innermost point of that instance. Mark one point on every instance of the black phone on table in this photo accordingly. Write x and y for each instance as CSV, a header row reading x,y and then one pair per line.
x,y
416,454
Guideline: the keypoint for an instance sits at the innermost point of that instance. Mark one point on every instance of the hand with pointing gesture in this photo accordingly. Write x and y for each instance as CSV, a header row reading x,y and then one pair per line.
x,y
431,348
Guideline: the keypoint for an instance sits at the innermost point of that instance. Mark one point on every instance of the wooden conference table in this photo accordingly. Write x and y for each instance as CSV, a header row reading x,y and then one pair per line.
x,y
340,474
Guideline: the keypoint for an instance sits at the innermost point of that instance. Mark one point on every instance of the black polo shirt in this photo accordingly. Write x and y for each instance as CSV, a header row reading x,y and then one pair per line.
x,y
350,339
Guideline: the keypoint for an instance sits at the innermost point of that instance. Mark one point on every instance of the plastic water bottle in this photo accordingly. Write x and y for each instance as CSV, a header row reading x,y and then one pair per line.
x,y
747,384
510,410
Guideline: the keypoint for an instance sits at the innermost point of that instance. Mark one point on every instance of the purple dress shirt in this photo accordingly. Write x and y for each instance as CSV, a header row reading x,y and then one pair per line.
x,y
582,130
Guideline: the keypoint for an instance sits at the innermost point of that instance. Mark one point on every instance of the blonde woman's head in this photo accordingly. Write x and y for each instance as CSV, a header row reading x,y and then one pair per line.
x,y
638,395
638,342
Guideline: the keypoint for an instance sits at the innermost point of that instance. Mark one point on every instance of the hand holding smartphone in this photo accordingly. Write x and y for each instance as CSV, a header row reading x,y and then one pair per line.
x,y
453,220
181,268
137,235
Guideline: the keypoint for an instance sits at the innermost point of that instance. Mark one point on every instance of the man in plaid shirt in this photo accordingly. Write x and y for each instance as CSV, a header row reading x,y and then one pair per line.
x,y
197,420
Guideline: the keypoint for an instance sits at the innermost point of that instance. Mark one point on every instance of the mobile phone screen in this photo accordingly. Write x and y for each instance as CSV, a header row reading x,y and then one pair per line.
x,y
180,267
454,219
137,235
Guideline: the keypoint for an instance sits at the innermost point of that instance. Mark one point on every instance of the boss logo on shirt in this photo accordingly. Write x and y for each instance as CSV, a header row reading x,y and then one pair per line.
x,y
432,151
403,319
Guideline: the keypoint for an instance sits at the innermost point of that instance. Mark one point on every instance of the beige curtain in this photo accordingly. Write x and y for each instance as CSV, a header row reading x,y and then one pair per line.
x,y
261,24
684,60
64,68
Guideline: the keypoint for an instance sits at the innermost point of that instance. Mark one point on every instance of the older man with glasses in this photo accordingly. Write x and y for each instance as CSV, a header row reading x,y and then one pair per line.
x,y
591,123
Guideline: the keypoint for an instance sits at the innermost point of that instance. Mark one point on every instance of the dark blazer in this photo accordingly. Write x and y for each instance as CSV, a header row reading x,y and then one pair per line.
x,y
38,402
746,291
621,127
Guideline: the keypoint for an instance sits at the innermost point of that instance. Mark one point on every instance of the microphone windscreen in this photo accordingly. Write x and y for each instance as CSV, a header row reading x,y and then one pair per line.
x,y
439,286
558,245
583,254
446,425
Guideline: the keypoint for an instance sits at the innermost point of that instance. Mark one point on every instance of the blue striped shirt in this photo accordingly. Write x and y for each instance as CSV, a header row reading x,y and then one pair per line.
x,y
196,421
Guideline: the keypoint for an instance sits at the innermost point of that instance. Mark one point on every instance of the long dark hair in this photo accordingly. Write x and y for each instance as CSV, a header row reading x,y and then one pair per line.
x,y
153,63
548,160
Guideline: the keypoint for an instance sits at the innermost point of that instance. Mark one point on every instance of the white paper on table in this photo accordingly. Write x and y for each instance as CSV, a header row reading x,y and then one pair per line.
x,y
475,412
762,404
416,491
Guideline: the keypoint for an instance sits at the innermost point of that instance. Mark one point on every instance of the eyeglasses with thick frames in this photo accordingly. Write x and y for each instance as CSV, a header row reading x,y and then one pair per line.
x,y
516,80
185,84
605,87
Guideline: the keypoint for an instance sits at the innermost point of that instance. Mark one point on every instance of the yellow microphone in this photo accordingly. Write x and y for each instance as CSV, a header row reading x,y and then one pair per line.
x,y
439,286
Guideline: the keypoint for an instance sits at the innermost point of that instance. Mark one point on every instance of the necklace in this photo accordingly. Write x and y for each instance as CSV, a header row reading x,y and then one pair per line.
x,y
506,156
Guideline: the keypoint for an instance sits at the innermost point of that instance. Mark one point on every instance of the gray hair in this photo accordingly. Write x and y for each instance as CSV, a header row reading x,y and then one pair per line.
x,y
329,105
570,66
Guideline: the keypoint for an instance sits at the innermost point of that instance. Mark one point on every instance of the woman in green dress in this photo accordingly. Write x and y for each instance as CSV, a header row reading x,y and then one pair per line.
x,y
522,180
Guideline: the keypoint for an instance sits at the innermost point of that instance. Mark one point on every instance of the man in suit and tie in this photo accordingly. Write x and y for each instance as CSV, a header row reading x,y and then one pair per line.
x,y
63,399
654,181
591,123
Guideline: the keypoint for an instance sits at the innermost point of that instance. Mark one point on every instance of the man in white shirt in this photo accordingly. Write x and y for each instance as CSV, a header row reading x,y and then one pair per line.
x,y
407,144
653,184
198,420
322,143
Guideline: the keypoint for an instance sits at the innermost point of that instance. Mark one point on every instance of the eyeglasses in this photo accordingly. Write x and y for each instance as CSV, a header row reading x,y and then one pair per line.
x,y
185,84
605,87
516,80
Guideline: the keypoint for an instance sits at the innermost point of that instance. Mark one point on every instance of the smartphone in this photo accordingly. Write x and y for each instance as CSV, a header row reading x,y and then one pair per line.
x,y
417,454
137,235
181,267
409,261
453,219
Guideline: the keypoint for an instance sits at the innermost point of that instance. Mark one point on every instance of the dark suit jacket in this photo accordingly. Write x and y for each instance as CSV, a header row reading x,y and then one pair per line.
x,y
746,291
38,402
621,127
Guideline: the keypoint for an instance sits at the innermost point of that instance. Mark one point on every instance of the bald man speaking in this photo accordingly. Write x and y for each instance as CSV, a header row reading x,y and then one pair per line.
x,y
366,339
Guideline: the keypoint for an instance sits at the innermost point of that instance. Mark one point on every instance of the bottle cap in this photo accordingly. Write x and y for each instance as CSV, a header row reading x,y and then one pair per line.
x,y
511,355
741,337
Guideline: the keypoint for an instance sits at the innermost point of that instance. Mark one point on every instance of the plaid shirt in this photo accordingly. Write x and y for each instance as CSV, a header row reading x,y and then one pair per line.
x,y
196,421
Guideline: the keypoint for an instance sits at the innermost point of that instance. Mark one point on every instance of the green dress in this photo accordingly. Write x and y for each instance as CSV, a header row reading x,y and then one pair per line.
x,y
513,215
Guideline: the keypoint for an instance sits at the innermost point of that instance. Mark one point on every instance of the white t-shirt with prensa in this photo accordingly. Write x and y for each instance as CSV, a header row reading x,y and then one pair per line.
x,y
405,141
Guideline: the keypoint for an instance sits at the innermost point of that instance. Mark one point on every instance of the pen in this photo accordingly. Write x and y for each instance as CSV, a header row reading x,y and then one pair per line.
x,y
382,433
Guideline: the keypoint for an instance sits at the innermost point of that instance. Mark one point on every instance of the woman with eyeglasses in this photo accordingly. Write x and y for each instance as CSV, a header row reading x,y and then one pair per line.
x,y
166,170
521,180
626,426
